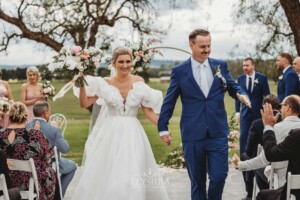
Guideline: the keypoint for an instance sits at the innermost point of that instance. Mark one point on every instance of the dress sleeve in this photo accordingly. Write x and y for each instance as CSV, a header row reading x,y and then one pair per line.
x,y
95,86
150,98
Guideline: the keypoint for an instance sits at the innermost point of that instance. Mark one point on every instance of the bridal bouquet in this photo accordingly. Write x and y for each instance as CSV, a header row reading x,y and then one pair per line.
x,y
76,60
143,54
48,90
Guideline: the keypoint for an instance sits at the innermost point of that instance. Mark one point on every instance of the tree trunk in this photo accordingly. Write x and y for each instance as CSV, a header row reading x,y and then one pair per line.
x,y
292,12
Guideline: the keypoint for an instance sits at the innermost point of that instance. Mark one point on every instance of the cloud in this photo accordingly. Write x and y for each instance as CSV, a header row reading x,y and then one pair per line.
x,y
214,15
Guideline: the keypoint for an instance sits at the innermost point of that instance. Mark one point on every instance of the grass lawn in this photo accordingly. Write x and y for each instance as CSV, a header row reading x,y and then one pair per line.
x,y
78,121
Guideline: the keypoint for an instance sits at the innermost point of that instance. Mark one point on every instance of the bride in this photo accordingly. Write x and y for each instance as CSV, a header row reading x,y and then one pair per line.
x,y
119,160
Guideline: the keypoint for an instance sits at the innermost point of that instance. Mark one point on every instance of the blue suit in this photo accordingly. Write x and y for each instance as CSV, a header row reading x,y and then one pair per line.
x,y
53,134
203,124
248,115
289,84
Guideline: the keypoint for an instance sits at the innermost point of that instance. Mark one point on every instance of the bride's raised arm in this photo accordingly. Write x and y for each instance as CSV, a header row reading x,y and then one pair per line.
x,y
84,100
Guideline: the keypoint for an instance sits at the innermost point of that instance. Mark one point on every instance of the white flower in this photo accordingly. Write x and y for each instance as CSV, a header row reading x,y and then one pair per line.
x,y
256,81
53,66
70,62
146,58
280,77
65,51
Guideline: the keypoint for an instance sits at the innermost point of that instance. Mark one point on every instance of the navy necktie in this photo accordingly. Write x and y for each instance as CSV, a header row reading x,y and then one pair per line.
x,y
250,85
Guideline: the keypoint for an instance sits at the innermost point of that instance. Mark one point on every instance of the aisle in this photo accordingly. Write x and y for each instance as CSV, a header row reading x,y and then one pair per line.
x,y
178,184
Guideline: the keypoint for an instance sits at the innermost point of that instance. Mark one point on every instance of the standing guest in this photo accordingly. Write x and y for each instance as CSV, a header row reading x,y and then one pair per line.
x,y
289,81
18,143
296,66
201,83
257,87
32,90
288,149
5,91
67,168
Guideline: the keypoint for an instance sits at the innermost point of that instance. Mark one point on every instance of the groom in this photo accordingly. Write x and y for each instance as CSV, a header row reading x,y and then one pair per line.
x,y
201,83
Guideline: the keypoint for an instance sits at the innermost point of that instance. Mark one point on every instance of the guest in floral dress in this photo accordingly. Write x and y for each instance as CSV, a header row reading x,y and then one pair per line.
x,y
32,90
18,143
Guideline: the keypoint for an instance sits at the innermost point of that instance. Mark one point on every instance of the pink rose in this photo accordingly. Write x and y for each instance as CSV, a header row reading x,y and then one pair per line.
x,y
76,50
85,54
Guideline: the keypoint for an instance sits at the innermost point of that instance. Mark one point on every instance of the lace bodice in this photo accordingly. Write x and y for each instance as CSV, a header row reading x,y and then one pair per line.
x,y
140,94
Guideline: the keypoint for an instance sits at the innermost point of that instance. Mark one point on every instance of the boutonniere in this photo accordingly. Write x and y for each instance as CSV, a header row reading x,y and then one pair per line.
x,y
217,73
256,82
280,77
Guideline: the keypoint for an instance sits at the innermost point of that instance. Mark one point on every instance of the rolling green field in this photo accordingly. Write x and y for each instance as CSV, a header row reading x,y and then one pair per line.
x,y
79,118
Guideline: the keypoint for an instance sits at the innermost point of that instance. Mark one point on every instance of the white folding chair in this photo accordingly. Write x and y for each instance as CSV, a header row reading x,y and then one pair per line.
x,y
55,167
274,180
3,188
293,182
61,121
255,187
27,166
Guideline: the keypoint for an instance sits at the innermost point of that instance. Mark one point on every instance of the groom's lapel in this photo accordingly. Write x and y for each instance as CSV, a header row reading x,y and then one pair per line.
x,y
191,77
213,65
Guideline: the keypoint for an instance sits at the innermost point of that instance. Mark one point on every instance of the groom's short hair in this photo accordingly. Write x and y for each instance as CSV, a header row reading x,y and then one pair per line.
x,y
40,107
197,32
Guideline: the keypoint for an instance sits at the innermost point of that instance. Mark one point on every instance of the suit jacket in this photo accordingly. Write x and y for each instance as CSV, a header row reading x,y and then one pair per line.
x,y
255,137
288,149
281,130
200,115
55,138
289,84
260,89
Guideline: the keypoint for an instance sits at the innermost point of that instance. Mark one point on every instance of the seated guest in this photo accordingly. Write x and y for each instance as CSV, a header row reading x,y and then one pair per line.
x,y
255,136
14,193
18,143
288,149
67,168
290,121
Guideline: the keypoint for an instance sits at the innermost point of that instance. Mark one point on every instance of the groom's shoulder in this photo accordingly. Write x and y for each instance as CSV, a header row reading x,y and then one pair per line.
x,y
218,61
182,65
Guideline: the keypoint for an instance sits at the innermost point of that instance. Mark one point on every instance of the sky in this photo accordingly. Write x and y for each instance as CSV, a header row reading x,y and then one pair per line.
x,y
215,16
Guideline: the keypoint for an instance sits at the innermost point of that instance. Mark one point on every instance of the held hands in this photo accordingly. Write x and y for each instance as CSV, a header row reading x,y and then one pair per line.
x,y
237,117
268,116
167,139
244,99
235,160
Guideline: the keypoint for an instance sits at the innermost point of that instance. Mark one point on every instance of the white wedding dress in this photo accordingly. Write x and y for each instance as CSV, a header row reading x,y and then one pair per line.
x,y
119,161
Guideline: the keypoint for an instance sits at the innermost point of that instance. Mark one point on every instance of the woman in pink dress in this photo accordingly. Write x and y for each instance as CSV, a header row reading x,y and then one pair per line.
x,y
5,91
32,90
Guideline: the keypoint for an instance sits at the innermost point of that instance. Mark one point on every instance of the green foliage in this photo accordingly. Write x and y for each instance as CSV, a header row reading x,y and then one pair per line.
x,y
175,159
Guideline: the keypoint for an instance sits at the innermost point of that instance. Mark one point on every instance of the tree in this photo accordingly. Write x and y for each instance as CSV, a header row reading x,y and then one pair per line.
x,y
56,23
276,24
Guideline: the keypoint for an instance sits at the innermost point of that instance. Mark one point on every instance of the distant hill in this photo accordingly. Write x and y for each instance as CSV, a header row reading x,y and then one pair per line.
x,y
154,64
14,66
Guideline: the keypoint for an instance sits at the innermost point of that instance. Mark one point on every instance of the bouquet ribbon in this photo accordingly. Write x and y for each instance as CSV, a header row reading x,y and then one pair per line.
x,y
66,88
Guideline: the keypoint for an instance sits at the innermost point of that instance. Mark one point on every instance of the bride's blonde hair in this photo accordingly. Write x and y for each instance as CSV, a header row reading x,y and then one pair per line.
x,y
120,51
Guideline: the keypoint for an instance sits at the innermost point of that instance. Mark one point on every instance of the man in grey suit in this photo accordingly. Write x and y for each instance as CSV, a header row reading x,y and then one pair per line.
x,y
67,168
